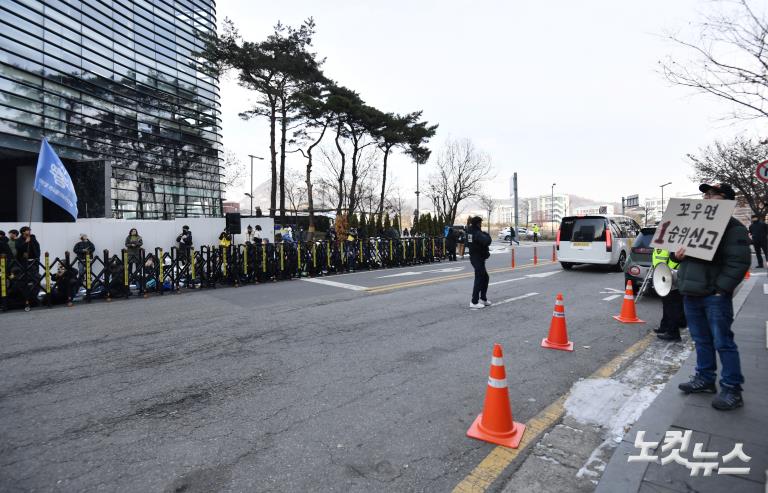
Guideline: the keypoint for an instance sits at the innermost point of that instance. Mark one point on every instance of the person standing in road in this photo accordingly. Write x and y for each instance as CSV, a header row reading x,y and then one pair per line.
x,y
513,236
450,243
759,234
479,242
707,288
673,313
535,233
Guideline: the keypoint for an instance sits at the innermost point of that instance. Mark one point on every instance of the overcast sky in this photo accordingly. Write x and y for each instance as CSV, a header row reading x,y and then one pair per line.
x,y
559,91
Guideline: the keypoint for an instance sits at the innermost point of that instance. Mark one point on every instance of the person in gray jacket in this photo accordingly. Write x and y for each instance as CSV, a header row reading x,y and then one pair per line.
x,y
707,288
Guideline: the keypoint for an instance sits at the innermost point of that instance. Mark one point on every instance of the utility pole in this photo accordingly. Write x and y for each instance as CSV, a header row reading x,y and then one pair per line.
x,y
514,188
662,197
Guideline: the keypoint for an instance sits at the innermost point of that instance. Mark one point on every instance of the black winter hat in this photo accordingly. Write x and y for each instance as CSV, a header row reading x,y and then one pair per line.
x,y
723,189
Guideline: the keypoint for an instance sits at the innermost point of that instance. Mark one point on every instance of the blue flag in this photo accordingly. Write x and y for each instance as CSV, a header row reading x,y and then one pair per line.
x,y
53,182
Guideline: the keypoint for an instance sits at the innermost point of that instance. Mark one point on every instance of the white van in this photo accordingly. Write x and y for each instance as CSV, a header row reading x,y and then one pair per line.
x,y
600,239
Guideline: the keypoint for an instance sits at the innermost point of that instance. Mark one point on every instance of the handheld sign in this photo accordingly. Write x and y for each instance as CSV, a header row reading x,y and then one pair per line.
x,y
695,224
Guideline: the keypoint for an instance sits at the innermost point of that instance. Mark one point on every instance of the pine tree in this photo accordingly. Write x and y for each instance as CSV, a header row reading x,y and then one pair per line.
x,y
353,221
387,222
396,224
415,225
362,229
428,224
379,223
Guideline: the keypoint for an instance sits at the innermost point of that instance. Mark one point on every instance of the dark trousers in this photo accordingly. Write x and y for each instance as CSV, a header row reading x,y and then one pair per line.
x,y
673,317
480,288
758,248
450,250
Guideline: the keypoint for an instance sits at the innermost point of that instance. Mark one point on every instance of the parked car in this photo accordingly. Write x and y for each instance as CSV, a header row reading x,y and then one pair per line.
x,y
598,239
639,260
522,233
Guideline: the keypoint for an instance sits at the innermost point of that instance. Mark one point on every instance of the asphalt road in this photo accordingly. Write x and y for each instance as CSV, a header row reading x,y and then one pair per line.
x,y
292,386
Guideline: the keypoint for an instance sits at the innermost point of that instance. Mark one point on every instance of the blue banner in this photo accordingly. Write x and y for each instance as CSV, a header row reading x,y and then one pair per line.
x,y
53,182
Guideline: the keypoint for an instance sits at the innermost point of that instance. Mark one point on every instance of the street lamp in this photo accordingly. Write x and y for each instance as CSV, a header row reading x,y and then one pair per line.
x,y
552,207
662,197
251,194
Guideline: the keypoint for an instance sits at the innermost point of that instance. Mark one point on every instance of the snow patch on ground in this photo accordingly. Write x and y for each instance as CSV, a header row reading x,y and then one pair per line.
x,y
608,403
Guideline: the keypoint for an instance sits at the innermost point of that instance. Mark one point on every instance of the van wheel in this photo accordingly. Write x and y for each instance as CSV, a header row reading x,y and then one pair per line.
x,y
506,238
622,261
566,265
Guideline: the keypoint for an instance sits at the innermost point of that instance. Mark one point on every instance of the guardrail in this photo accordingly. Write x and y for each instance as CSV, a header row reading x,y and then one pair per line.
x,y
64,280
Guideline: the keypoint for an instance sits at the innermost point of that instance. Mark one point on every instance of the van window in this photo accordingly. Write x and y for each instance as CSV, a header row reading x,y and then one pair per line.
x,y
585,229
643,240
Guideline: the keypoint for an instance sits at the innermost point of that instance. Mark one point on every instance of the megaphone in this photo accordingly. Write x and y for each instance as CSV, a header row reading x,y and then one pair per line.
x,y
664,279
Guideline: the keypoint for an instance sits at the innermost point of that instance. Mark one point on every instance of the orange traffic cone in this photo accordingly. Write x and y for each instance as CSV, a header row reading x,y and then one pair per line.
x,y
558,333
495,424
747,275
628,315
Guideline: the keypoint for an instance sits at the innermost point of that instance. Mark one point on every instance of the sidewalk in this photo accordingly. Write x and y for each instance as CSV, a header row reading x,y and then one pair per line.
x,y
717,431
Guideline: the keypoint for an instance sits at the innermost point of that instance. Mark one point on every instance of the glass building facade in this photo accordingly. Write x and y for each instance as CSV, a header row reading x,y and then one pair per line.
x,y
114,87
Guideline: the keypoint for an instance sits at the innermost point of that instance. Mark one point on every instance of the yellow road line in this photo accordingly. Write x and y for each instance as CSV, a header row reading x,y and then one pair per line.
x,y
453,277
499,458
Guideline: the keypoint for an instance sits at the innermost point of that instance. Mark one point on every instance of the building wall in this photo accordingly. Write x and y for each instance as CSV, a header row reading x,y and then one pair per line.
x,y
591,210
541,210
116,81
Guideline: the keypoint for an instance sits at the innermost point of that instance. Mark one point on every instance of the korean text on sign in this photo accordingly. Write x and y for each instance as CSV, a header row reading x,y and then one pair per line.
x,y
696,225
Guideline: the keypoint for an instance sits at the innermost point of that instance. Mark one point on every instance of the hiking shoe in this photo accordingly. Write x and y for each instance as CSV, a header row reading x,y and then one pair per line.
x,y
486,302
728,399
697,385
669,336
477,305
660,330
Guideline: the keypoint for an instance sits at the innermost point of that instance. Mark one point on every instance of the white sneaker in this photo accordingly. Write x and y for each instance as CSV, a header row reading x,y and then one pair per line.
x,y
486,302
477,305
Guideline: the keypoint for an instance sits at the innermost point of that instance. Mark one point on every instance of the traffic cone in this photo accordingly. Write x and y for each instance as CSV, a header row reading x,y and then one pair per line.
x,y
747,275
628,315
558,333
495,424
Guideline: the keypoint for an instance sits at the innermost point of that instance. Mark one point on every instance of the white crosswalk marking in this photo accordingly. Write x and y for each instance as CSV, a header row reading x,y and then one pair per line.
x,y
336,284
509,300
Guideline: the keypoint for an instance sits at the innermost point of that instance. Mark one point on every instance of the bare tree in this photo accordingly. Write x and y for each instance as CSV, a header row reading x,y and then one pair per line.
x,y
460,168
295,191
488,204
735,163
731,60
233,170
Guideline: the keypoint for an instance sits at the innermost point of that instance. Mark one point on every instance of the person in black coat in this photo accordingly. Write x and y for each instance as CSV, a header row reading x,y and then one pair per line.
x,y
65,285
82,248
27,247
5,249
479,250
759,234
450,243
185,242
